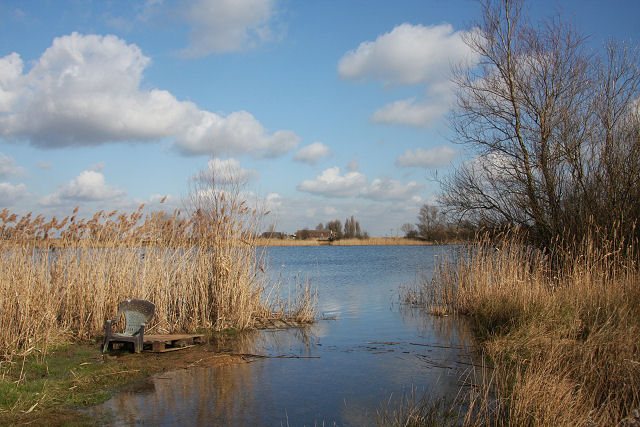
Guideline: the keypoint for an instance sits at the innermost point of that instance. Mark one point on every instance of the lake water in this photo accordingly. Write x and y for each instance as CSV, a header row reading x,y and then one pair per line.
x,y
372,350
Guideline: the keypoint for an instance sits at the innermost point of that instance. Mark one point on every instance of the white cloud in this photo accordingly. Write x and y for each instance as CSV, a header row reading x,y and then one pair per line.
x,y
8,167
391,190
98,167
11,193
409,112
331,184
86,90
408,54
10,72
238,133
227,171
353,165
219,26
88,186
312,153
491,168
273,201
431,158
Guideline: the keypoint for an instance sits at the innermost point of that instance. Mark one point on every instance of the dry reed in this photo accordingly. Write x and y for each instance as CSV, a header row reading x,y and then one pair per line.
x,y
562,329
60,280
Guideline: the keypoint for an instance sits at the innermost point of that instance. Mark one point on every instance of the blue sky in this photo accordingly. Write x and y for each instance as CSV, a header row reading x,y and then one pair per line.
x,y
327,108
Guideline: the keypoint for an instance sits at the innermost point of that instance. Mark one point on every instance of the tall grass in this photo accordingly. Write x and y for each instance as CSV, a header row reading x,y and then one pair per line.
x,y
562,329
60,280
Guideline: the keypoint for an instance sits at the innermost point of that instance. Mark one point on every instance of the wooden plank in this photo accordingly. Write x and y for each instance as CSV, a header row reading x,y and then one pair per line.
x,y
171,349
172,337
169,342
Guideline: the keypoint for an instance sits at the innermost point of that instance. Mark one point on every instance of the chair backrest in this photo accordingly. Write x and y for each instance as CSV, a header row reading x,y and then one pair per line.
x,y
135,312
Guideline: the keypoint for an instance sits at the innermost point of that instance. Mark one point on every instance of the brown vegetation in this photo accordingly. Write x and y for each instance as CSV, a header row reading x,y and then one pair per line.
x,y
555,130
562,329
201,270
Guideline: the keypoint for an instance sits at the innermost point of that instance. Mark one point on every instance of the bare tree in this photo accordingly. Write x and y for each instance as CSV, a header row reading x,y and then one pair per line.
x,y
428,222
409,230
554,128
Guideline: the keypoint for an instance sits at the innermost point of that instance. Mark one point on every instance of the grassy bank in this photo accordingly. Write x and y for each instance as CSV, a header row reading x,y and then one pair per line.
x,y
52,390
561,330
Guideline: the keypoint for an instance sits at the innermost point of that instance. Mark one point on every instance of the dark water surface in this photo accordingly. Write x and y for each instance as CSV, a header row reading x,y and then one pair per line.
x,y
375,349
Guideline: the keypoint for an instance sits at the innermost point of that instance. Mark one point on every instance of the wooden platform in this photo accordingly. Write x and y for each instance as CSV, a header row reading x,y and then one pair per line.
x,y
164,343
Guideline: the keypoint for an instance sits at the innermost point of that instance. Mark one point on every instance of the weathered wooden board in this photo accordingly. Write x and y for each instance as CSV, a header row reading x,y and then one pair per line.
x,y
164,343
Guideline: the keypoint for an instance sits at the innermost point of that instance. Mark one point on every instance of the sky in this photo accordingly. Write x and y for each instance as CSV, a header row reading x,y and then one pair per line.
x,y
326,109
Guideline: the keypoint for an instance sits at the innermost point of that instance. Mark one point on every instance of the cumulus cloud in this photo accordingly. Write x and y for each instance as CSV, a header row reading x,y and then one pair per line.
x,y
411,55
8,167
10,72
431,158
312,153
408,54
9,194
227,171
331,184
219,26
409,112
86,90
391,190
273,201
490,168
238,133
88,186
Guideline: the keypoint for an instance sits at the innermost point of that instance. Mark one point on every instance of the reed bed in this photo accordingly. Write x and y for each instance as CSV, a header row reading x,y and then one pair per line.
x,y
561,329
60,279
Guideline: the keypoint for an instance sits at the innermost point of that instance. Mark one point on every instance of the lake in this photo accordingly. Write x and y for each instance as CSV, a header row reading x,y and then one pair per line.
x,y
368,349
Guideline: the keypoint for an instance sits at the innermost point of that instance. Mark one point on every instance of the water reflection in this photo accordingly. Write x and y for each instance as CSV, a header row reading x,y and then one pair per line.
x,y
333,371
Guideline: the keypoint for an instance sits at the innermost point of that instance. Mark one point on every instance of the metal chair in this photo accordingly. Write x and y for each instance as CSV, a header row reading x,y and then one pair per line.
x,y
137,313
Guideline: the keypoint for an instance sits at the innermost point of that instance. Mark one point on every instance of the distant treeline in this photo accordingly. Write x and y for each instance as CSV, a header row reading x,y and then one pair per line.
x,y
434,225
334,230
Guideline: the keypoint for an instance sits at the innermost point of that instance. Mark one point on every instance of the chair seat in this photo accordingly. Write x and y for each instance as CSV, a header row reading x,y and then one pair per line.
x,y
115,337
136,314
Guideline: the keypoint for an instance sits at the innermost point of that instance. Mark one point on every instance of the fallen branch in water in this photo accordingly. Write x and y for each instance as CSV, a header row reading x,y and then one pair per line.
x,y
440,346
264,356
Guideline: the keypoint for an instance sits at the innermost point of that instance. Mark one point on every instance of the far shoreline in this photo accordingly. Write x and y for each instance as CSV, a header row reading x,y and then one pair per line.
x,y
372,241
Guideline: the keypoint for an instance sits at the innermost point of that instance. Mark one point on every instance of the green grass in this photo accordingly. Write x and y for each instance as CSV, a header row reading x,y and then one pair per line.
x,y
50,389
